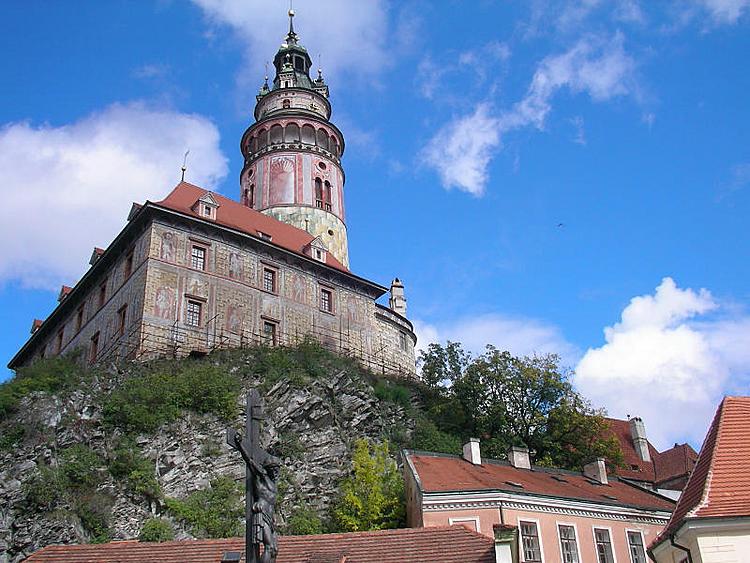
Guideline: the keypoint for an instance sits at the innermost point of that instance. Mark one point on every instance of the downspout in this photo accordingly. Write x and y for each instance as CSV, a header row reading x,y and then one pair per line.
x,y
681,547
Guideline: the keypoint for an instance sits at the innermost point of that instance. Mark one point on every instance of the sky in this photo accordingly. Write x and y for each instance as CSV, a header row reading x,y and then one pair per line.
x,y
545,176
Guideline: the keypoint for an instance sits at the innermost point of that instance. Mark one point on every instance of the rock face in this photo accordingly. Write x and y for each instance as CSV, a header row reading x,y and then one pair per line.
x,y
312,426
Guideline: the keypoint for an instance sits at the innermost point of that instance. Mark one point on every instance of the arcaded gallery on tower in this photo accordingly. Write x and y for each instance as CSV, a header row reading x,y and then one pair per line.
x,y
198,271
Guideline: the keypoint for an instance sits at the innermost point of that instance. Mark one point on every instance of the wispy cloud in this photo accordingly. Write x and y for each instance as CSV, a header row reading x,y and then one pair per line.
x,y
68,188
666,358
724,11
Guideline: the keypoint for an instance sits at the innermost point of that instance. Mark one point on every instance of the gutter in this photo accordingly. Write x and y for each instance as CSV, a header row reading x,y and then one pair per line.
x,y
681,547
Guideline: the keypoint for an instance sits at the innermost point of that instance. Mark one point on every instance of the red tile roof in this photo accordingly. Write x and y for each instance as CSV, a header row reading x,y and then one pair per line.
x,y
237,216
64,291
664,466
442,473
411,545
719,486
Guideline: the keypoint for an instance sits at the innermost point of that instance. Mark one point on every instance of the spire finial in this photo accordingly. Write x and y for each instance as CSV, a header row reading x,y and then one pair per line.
x,y
292,37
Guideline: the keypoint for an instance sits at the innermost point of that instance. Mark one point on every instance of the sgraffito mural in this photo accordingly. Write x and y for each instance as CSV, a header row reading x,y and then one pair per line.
x,y
164,303
234,319
235,266
282,180
297,288
167,247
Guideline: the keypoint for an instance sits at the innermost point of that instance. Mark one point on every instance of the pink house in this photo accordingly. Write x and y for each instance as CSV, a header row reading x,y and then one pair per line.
x,y
551,515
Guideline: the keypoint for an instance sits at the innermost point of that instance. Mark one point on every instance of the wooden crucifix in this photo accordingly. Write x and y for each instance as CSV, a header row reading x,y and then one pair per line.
x,y
261,473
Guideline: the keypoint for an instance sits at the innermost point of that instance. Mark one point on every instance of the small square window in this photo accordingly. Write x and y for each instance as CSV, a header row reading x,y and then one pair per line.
x,y
207,211
270,333
198,258
269,280
193,313
326,300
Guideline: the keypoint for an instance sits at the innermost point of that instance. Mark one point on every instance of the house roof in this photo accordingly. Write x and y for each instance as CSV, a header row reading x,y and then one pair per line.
x,y
664,466
411,545
440,473
237,216
719,486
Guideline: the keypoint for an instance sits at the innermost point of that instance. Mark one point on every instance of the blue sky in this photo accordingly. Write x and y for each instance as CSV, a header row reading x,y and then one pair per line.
x,y
568,177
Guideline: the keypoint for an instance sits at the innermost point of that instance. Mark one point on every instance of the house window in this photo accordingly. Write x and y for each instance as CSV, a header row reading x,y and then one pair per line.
x,y
319,255
603,546
128,265
198,258
94,349
269,280
270,333
568,544
79,318
193,313
402,341
326,300
532,551
102,293
635,543
60,335
121,316
206,210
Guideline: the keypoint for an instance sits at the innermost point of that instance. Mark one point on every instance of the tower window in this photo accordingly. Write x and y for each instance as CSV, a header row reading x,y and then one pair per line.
x,y
250,196
193,313
198,258
291,135
286,104
319,193
277,134
327,194
299,63
94,349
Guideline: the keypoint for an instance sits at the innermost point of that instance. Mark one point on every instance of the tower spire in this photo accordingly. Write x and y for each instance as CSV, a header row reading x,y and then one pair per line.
x,y
291,37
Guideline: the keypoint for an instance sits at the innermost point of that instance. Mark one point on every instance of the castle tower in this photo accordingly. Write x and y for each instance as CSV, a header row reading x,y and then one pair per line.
x,y
292,152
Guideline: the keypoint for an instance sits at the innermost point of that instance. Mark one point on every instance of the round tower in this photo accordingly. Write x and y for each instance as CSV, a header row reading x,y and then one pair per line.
x,y
292,152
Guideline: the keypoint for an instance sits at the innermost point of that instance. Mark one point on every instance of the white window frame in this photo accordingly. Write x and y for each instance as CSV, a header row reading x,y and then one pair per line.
x,y
611,541
536,521
460,519
575,534
643,543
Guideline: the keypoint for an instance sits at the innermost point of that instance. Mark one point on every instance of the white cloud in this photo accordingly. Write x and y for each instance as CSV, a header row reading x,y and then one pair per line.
x,y
66,189
725,11
666,363
352,37
520,336
461,150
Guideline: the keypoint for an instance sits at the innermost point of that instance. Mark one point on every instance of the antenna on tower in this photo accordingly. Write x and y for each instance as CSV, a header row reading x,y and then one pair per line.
x,y
184,164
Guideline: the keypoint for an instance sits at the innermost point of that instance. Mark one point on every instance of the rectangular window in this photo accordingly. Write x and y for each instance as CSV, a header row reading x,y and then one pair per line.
x,y
532,551
79,318
193,313
60,335
198,258
603,546
402,342
568,544
102,293
270,334
121,316
269,280
326,300
128,265
635,543
94,350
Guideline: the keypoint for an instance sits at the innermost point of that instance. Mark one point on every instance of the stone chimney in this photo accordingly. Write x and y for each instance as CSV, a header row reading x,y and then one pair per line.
x,y
638,432
472,453
397,301
519,457
596,471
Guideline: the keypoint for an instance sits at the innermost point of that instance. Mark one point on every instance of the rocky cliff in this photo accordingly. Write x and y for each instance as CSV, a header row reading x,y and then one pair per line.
x,y
80,463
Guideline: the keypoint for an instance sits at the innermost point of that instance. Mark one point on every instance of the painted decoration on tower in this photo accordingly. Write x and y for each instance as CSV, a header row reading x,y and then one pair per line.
x,y
235,266
234,319
297,287
282,180
164,303
197,287
167,246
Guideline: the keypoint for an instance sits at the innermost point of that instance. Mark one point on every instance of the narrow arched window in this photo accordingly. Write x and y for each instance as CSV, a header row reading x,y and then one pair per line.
x,y
308,134
277,134
322,139
291,135
318,193
250,196
262,139
327,197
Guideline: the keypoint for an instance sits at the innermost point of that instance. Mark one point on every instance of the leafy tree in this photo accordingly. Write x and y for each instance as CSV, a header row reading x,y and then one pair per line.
x,y
156,530
372,498
506,401
304,521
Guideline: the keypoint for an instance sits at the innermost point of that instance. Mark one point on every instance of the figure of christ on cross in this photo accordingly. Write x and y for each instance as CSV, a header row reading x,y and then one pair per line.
x,y
261,473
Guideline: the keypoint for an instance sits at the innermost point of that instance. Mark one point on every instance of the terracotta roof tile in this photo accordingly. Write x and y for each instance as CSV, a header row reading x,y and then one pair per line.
x,y
719,486
411,545
443,473
237,216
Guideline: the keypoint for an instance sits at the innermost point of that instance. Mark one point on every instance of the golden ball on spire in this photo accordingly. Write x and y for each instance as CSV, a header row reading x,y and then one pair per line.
x,y
291,13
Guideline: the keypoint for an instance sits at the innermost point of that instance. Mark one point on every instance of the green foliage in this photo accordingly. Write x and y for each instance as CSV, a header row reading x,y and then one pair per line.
x,y
94,510
48,375
142,404
46,489
156,530
372,498
10,436
505,401
80,465
304,521
290,446
391,392
215,512
429,438
129,464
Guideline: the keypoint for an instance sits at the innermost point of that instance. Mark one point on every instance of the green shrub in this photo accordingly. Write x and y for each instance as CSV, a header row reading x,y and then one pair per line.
x,y
46,489
304,521
10,436
428,437
156,530
215,512
94,509
139,473
393,393
80,465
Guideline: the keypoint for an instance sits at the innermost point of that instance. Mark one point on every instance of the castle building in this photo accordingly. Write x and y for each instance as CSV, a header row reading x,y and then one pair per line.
x,y
198,271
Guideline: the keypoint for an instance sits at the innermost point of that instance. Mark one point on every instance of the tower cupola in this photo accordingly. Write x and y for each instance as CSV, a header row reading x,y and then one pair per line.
x,y
293,151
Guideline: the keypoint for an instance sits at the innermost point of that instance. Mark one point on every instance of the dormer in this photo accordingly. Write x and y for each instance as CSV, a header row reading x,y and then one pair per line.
x,y
206,206
95,255
36,325
316,249
64,291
